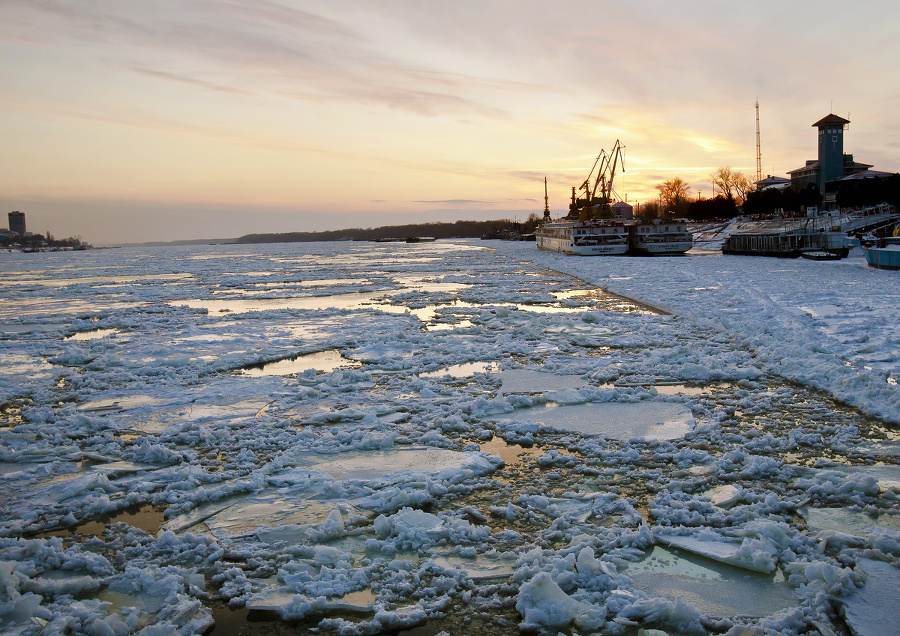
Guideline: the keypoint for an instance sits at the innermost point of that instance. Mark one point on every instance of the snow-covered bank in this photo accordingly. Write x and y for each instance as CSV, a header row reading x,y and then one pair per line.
x,y
832,326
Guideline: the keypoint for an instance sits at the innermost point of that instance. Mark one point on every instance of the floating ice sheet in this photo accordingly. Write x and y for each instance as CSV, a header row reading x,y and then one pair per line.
x,y
616,420
529,381
118,403
888,476
276,599
480,567
272,515
92,335
352,300
724,496
713,588
719,549
374,464
872,611
848,521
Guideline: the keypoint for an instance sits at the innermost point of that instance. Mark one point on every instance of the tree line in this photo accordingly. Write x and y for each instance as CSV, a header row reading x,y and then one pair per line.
x,y
39,241
737,196
502,228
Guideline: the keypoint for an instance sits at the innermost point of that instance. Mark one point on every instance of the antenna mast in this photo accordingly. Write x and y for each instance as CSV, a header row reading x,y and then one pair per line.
x,y
758,151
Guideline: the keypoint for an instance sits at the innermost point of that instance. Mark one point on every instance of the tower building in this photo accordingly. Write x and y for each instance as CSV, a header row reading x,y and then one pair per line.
x,y
17,223
832,163
831,148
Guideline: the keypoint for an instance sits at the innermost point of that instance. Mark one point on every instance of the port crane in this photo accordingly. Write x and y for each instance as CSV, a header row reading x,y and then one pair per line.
x,y
601,193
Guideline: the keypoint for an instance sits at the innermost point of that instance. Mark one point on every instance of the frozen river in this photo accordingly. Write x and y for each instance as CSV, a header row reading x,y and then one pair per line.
x,y
452,437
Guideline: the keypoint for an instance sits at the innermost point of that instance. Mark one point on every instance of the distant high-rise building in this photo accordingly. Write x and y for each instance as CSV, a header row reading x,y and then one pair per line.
x,y
17,223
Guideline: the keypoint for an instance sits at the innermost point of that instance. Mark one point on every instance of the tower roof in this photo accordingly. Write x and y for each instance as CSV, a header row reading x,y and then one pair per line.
x,y
831,120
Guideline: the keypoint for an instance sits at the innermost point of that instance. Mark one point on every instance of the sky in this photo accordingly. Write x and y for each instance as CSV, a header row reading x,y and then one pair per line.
x,y
157,120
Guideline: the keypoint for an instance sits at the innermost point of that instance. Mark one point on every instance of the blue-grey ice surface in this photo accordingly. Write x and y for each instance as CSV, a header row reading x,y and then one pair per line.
x,y
459,435
644,420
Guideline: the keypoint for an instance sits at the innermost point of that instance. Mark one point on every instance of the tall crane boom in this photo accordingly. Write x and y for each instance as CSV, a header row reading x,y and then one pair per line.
x,y
608,173
601,192
586,186
758,149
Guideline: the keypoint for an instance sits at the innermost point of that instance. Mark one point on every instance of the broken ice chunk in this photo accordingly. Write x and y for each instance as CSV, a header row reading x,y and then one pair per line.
x,y
543,603
725,496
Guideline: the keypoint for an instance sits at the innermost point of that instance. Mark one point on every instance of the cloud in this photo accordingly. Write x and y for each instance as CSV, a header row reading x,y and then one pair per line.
x,y
264,48
455,202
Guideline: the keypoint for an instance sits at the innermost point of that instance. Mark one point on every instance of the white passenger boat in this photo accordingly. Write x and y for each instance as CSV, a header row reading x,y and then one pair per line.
x,y
660,237
584,238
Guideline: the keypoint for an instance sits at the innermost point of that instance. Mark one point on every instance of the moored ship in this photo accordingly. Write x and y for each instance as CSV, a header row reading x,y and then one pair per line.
x,y
583,238
590,228
883,253
660,237
788,244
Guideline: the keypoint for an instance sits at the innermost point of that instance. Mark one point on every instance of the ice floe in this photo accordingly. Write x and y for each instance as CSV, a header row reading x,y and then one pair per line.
x,y
643,420
458,436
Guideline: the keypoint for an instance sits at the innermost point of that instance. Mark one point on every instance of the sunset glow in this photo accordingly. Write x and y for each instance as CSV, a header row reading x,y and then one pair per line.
x,y
165,120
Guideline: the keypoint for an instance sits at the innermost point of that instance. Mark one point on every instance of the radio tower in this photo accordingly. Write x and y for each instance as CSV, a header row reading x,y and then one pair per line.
x,y
758,151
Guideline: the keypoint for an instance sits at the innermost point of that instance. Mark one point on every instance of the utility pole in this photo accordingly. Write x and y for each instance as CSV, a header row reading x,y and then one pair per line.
x,y
758,150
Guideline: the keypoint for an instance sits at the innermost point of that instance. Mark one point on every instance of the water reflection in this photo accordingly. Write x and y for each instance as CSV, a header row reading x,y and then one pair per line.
x,y
323,361
354,300
145,517
464,370
513,455
92,335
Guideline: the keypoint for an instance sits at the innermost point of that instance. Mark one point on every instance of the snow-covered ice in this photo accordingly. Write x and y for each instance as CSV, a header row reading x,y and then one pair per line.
x,y
456,436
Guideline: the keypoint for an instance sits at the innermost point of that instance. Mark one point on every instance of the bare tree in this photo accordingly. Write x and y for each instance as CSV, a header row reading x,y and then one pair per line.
x,y
674,193
743,186
733,184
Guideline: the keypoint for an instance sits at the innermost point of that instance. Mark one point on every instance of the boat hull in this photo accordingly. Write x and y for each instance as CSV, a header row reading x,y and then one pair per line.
x,y
563,247
881,258
668,248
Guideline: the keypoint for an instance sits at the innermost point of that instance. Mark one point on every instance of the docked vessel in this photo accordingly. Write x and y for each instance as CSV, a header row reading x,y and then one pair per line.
x,y
814,234
884,253
583,238
789,244
660,237
590,228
